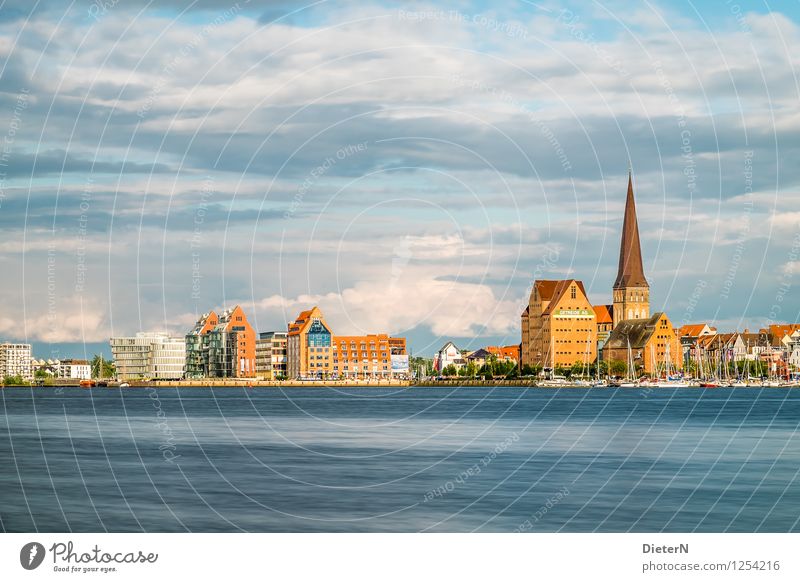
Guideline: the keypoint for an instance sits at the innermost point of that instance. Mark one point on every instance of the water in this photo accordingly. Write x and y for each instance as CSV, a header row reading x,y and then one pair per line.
x,y
402,459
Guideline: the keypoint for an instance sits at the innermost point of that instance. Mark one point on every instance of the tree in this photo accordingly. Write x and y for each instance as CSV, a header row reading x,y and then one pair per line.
x,y
14,381
617,367
102,368
449,370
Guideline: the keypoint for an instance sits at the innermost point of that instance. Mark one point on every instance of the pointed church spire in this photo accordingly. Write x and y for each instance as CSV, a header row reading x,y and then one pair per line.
x,y
631,271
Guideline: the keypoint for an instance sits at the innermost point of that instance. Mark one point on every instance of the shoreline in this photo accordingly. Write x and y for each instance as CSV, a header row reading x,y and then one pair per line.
x,y
228,383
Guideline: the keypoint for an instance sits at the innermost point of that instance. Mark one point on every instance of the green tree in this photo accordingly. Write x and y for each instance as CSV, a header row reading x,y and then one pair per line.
x,y
618,368
102,368
449,370
14,381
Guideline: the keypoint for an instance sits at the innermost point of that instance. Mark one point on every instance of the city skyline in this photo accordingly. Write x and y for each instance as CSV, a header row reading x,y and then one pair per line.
x,y
140,192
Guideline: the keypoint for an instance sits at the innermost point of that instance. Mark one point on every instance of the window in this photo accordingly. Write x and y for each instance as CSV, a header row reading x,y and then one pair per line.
x,y
572,292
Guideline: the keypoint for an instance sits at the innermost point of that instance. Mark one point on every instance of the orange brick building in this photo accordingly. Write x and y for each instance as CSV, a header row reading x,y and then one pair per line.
x,y
559,326
654,344
314,352
308,346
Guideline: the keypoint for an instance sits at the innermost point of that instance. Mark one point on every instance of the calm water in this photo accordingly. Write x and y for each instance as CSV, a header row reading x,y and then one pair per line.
x,y
412,459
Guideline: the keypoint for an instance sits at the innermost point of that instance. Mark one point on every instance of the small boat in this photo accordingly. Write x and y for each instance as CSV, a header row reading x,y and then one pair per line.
x,y
87,384
124,385
672,383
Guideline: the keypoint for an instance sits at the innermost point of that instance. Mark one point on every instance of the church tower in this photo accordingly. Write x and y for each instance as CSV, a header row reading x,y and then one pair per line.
x,y
631,291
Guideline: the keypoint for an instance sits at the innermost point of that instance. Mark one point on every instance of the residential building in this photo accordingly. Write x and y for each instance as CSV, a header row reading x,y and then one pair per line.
x,y
314,352
631,291
149,356
506,353
448,355
271,355
794,351
559,326
197,345
689,335
652,344
74,369
368,356
221,346
15,360
479,357
308,347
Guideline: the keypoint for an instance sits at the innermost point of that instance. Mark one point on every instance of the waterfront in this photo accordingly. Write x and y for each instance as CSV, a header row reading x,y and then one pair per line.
x,y
400,459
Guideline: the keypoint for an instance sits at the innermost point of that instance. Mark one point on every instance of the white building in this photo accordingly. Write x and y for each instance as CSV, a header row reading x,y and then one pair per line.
x,y
15,360
74,369
448,355
149,356
65,369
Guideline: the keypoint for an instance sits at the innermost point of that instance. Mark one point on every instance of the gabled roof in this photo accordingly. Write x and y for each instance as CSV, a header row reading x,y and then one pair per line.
x,y
604,313
635,331
444,347
778,331
554,290
691,330
630,272
479,354
549,289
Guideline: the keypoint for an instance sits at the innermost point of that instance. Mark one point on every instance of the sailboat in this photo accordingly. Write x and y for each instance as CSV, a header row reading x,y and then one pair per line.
x,y
670,380
630,381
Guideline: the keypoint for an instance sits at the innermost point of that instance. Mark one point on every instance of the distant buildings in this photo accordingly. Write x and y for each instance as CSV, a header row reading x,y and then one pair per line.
x,y
314,352
561,327
271,356
64,369
149,356
221,346
505,353
15,360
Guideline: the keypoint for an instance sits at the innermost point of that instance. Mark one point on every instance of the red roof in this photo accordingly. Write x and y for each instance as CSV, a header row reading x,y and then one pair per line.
x,y
604,313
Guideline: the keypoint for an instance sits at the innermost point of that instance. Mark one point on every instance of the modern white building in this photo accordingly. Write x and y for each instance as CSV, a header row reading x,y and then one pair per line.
x,y
74,369
149,356
15,360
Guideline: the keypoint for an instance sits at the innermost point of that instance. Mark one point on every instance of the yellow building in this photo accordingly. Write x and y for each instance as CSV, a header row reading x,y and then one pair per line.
x,y
559,326
652,344
308,346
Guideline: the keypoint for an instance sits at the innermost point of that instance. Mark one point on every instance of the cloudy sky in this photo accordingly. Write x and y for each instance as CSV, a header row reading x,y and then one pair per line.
x,y
409,167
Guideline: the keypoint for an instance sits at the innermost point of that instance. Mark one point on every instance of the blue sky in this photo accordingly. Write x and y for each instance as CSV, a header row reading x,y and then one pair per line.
x,y
410,167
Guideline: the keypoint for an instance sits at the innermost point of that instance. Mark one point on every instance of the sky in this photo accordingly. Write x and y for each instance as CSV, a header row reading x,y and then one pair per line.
x,y
409,167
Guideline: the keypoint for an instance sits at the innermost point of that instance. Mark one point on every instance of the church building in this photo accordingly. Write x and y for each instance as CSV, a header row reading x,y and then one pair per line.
x,y
560,326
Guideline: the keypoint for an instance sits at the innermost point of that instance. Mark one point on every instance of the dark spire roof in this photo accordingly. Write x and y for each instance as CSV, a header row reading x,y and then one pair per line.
x,y
631,272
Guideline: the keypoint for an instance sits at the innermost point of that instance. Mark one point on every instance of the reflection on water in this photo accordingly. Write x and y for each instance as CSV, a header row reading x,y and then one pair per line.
x,y
433,459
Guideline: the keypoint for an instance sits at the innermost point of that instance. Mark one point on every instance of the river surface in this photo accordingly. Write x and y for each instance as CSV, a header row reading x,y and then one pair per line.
x,y
400,459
